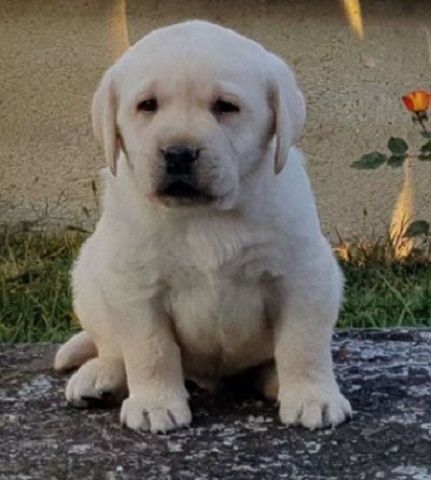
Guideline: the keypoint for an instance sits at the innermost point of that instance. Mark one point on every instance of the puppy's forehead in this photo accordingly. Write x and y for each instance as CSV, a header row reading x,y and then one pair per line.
x,y
197,49
198,36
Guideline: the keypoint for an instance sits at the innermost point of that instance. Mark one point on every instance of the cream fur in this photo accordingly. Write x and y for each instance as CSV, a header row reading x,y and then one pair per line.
x,y
203,291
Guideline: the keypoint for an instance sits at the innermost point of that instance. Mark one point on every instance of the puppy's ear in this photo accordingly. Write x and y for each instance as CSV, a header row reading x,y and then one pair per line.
x,y
288,105
103,114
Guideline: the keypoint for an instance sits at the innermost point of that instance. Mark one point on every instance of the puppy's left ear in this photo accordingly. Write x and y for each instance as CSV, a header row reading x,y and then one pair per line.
x,y
288,105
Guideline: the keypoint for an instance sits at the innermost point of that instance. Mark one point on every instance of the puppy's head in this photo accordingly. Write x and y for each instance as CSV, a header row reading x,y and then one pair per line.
x,y
194,107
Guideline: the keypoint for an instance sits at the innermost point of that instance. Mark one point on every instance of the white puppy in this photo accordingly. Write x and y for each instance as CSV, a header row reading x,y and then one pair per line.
x,y
208,258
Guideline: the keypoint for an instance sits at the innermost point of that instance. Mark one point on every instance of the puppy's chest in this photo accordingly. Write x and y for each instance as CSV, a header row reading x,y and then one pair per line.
x,y
217,303
220,308
221,325
220,280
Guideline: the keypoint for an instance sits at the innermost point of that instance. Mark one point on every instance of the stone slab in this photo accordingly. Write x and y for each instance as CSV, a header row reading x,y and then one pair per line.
x,y
386,374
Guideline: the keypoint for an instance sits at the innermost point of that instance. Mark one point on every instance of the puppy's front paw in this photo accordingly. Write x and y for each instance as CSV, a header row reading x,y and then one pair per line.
x,y
142,412
99,381
313,405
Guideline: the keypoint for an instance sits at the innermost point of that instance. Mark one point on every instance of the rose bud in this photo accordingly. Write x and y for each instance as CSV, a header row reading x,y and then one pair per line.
x,y
417,101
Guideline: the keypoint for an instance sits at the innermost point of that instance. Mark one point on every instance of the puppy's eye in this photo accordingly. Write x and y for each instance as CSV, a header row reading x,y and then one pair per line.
x,y
149,105
223,106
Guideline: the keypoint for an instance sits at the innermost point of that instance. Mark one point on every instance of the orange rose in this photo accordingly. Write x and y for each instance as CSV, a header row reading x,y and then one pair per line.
x,y
417,101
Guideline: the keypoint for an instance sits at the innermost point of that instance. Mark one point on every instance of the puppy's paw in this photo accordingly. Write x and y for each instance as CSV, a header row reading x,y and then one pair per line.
x,y
313,405
157,413
99,381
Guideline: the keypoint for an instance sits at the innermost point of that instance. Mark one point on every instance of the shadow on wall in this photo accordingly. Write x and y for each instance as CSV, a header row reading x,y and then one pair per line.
x,y
403,213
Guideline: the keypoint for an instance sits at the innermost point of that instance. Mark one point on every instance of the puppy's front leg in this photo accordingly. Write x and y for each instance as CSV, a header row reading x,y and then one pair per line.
x,y
308,392
157,394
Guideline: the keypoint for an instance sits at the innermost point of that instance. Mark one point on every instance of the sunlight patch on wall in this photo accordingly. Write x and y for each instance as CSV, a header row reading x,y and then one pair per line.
x,y
352,10
402,216
119,31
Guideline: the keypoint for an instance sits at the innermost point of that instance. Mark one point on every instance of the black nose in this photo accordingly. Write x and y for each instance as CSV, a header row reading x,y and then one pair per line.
x,y
180,159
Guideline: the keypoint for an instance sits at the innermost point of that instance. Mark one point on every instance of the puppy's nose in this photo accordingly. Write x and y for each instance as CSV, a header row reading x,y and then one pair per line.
x,y
180,159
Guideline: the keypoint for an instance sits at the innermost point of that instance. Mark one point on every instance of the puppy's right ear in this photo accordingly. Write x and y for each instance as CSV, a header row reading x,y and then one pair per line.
x,y
103,114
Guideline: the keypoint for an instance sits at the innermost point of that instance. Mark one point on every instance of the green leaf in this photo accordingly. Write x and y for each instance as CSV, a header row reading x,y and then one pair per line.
x,y
398,146
424,157
426,148
418,227
370,161
426,134
396,161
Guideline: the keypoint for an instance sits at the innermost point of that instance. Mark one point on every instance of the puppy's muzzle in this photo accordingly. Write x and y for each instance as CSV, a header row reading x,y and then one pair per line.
x,y
180,168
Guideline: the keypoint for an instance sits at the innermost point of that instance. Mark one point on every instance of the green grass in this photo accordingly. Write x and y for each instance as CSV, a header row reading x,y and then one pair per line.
x,y
387,295
35,298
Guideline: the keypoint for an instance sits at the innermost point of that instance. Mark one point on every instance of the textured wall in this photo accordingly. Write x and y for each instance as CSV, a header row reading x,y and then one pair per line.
x,y
52,54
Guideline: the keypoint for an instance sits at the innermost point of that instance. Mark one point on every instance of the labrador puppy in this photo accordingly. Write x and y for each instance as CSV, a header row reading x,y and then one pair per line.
x,y
208,258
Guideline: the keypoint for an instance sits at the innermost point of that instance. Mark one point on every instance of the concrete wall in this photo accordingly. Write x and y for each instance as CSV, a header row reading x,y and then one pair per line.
x,y
53,53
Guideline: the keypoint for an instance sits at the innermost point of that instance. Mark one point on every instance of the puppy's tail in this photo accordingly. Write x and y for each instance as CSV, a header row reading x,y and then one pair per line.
x,y
75,352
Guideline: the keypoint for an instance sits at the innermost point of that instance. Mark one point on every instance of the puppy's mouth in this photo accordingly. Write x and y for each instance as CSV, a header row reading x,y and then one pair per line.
x,y
180,189
182,192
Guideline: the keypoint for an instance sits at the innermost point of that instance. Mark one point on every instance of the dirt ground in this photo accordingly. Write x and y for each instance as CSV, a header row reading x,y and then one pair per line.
x,y
53,53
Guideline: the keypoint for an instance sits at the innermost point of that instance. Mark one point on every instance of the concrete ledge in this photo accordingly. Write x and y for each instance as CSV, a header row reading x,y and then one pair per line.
x,y
385,373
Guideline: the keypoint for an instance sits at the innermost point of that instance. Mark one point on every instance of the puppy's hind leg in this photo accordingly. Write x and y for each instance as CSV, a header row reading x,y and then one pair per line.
x,y
101,378
101,381
75,352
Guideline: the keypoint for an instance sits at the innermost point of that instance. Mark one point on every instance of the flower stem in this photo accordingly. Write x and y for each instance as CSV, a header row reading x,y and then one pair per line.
x,y
421,119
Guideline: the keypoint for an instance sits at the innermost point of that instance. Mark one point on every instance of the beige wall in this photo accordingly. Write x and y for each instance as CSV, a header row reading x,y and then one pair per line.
x,y
52,54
